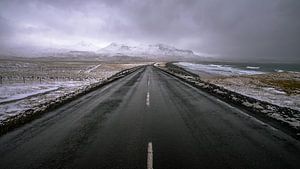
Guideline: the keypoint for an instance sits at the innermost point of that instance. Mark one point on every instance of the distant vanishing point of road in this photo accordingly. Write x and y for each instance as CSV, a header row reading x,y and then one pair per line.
x,y
148,119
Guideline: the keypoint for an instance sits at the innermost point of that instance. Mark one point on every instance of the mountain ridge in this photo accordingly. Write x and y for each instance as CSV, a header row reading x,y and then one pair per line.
x,y
150,50
113,50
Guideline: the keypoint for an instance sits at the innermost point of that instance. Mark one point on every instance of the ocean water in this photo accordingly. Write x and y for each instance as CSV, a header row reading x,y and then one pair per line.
x,y
229,69
268,67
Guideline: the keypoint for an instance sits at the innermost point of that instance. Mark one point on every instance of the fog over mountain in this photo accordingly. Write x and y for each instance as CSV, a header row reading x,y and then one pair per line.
x,y
256,30
143,50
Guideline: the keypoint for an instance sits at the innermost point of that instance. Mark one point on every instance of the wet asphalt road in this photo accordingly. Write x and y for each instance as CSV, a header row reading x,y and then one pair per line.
x,y
111,128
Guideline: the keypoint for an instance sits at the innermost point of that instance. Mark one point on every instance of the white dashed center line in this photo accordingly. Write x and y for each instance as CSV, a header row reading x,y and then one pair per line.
x,y
148,99
148,93
150,156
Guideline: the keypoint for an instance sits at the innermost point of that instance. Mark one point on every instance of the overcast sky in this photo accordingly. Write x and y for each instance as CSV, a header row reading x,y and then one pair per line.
x,y
260,29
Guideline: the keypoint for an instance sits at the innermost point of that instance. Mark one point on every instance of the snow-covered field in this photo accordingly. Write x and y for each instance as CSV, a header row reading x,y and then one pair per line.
x,y
16,98
255,87
282,88
14,92
29,85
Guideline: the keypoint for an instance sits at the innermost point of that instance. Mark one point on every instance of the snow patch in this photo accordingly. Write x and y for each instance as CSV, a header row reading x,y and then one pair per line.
x,y
16,91
92,69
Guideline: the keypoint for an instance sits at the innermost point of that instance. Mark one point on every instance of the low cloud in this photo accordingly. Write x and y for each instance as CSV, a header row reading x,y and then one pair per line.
x,y
239,29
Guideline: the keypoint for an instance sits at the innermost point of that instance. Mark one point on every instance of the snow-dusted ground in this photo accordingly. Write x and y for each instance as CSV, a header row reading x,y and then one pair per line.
x,y
269,94
17,98
59,80
249,82
19,91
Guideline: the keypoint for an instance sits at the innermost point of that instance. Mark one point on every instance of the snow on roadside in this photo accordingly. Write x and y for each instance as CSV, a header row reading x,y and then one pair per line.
x,y
268,94
256,87
20,97
15,92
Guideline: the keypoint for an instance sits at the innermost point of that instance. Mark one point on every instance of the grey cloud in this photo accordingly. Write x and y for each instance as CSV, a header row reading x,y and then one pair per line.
x,y
260,29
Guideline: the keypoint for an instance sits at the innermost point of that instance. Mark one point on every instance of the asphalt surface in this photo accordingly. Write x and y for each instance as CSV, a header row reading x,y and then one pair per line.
x,y
115,126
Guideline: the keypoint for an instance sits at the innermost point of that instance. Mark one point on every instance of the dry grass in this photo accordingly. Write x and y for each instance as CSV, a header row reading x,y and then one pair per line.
x,y
18,71
290,86
288,82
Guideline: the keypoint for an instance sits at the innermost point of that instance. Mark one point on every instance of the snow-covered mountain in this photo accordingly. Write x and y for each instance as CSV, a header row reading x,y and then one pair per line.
x,y
114,50
82,46
149,51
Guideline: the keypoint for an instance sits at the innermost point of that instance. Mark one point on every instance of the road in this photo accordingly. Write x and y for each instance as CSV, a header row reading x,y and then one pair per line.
x,y
145,119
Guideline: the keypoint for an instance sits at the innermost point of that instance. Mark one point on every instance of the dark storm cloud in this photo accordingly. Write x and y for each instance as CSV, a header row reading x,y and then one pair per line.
x,y
259,29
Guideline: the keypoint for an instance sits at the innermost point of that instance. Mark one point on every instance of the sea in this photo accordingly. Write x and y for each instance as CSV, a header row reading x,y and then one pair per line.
x,y
226,68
